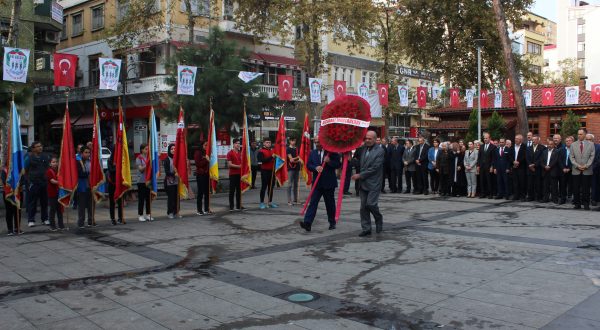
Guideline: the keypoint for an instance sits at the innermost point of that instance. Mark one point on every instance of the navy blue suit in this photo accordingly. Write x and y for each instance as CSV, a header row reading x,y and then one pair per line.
x,y
325,187
596,175
501,164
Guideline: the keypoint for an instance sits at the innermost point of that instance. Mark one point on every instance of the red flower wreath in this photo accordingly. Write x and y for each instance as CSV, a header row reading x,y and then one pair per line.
x,y
338,137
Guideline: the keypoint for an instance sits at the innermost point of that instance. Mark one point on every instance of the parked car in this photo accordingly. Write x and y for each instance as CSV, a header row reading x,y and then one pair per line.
x,y
105,156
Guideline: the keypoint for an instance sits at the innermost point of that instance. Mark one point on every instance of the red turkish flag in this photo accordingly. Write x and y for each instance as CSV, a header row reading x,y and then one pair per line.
x,y
547,96
508,83
596,93
339,88
422,97
483,98
64,69
285,83
454,97
382,90
511,99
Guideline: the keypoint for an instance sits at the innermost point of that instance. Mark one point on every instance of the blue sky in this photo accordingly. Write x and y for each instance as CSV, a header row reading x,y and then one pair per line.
x,y
547,8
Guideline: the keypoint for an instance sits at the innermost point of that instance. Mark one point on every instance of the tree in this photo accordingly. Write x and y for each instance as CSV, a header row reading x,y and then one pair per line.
x,y
570,125
496,125
439,36
472,132
136,21
568,73
218,66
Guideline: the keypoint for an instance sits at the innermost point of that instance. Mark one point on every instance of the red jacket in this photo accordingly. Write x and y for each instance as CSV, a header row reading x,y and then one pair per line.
x,y
266,157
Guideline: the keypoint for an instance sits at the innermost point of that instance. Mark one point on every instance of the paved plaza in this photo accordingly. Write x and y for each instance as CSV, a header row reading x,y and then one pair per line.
x,y
451,263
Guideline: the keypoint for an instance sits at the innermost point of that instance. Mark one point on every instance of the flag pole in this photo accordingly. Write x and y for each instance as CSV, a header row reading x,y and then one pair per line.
x,y
210,185
72,192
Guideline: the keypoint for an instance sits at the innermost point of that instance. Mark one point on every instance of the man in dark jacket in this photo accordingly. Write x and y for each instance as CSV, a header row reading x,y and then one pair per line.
x,y
395,153
534,171
486,166
501,168
326,185
518,161
36,165
549,163
421,160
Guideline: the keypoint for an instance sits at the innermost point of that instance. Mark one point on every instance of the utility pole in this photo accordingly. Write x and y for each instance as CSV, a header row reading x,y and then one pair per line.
x,y
479,44
513,75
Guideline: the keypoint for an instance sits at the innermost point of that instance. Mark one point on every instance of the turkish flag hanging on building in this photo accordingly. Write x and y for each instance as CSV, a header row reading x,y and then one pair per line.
x,y
382,90
339,88
547,96
511,99
483,98
422,97
65,66
286,83
596,93
454,97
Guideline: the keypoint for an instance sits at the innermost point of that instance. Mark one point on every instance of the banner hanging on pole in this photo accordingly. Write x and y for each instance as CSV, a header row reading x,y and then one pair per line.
x,y
186,79
110,71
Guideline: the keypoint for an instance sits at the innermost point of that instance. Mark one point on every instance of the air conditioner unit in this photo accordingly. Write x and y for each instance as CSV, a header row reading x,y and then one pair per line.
x,y
52,37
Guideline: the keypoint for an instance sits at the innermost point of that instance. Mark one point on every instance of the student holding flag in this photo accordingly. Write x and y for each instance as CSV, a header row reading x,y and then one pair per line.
x,y
84,192
11,176
10,208
171,183
97,177
152,167
123,171
202,180
141,163
55,207
180,161
234,162
213,164
265,156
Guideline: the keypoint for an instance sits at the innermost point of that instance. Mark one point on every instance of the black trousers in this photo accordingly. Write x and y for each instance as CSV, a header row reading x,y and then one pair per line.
x,y
535,187
519,184
111,204
386,175
581,189
267,178
550,188
396,179
37,191
357,182
55,212
348,179
445,183
255,169
234,190
410,177
421,182
502,184
486,182
434,180
84,200
311,211
202,181
143,198
566,185
172,191
11,216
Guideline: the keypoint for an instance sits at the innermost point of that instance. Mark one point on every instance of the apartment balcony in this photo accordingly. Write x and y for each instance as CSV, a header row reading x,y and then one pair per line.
x,y
272,92
132,87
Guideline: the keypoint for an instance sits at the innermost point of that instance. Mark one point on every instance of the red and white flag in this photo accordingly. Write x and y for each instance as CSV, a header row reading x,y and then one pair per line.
x,y
511,99
454,97
339,88
286,83
422,97
65,66
596,93
382,90
483,98
547,96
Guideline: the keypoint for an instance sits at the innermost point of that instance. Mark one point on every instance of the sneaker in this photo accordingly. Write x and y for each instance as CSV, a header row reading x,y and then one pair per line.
x,y
273,205
113,222
81,227
290,203
170,216
178,216
31,224
149,218
142,218
200,213
262,206
231,210
209,212
52,229
47,222
10,233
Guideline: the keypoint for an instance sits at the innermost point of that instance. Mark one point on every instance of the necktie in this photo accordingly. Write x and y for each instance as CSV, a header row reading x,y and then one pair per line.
x,y
567,160
420,150
581,147
486,146
367,153
501,151
549,155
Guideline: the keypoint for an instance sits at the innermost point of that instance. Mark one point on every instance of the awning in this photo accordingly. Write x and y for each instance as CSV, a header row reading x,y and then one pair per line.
x,y
274,60
85,121
58,122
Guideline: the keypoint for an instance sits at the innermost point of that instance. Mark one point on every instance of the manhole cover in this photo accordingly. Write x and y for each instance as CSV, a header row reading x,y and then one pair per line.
x,y
301,297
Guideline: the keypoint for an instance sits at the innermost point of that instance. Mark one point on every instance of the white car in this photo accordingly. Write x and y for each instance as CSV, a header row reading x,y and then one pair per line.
x,y
105,156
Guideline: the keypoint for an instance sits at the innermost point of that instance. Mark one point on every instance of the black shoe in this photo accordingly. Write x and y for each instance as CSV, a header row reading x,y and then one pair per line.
x,y
383,191
562,201
407,191
594,203
555,201
364,233
586,207
305,226
332,226
426,192
482,196
379,229
530,199
491,197
499,197
577,207
113,222
347,193
544,201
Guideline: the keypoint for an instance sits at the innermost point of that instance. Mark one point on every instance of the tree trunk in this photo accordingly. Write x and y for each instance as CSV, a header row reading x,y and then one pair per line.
x,y
191,20
513,75
386,73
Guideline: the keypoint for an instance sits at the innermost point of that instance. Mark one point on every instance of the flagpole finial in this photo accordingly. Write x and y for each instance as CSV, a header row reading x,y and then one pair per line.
x,y
210,102
67,90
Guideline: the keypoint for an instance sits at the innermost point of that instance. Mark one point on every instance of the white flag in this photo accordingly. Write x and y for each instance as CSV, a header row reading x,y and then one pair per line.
x,y
15,64
363,91
249,76
435,92
498,99
403,92
527,96
469,93
572,95
315,89
110,71
186,79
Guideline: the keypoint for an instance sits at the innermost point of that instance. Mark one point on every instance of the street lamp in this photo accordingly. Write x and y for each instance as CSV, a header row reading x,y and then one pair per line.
x,y
479,44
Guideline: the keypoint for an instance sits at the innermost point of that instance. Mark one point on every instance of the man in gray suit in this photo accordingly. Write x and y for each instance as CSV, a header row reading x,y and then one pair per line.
x,y
582,157
370,176
408,159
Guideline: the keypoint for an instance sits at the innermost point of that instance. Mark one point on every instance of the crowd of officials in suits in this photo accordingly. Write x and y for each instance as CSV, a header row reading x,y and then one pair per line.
x,y
553,170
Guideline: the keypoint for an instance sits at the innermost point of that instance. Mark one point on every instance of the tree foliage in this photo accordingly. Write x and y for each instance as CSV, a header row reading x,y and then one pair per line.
x,y
139,20
439,35
496,125
568,73
570,125
472,130
218,66
348,20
